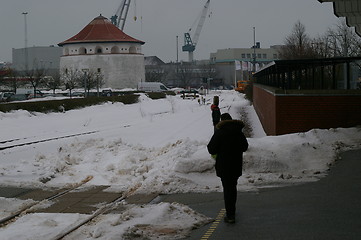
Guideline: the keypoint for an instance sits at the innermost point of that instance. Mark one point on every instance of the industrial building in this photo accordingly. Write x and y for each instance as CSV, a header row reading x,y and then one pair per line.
x,y
38,57
261,55
224,61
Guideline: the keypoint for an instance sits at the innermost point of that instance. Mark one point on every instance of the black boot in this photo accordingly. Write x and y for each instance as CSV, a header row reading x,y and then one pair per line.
x,y
229,219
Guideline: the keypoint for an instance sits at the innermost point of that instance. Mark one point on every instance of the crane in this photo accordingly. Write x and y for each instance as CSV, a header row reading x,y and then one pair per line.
x,y
191,43
118,19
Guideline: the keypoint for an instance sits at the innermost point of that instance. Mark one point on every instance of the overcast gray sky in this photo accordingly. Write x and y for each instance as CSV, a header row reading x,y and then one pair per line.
x,y
230,24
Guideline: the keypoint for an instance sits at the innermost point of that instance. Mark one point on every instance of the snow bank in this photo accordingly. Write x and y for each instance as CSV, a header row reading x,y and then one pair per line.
x,y
9,206
158,221
40,226
298,157
160,144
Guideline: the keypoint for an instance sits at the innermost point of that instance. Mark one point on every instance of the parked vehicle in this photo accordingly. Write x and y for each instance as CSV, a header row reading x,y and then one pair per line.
x,y
107,93
5,95
77,94
54,95
152,87
28,91
189,91
17,97
177,90
31,96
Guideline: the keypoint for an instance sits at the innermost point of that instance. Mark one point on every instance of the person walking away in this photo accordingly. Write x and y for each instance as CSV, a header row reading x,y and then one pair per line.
x,y
228,144
216,112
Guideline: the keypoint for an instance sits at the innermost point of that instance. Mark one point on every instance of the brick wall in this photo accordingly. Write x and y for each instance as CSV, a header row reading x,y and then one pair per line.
x,y
265,104
290,113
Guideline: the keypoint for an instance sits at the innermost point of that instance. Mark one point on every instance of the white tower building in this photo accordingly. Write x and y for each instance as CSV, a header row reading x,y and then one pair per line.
x,y
103,48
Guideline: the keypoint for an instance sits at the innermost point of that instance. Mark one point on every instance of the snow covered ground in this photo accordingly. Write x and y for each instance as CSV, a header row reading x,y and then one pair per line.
x,y
158,146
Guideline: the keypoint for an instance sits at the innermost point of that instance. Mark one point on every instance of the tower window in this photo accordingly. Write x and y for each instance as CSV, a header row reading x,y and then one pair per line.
x,y
82,50
98,49
115,49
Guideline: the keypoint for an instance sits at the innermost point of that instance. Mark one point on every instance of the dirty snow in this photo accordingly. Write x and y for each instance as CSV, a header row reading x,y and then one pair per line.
x,y
157,145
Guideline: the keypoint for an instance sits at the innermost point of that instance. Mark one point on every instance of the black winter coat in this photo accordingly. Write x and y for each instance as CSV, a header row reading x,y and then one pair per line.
x,y
216,114
228,143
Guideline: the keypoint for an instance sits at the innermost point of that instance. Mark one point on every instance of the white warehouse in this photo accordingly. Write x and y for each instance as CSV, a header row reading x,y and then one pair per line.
x,y
103,48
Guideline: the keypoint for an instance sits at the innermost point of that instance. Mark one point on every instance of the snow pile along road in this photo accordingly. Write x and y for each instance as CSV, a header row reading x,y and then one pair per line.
x,y
158,145
157,221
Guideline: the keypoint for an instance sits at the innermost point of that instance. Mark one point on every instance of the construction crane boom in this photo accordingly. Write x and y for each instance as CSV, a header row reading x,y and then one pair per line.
x,y
201,23
191,43
118,19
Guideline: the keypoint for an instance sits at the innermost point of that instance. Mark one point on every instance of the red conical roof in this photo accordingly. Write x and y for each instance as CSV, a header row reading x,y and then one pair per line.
x,y
100,30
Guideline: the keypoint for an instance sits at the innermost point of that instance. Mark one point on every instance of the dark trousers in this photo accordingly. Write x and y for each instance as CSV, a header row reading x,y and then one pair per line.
x,y
230,195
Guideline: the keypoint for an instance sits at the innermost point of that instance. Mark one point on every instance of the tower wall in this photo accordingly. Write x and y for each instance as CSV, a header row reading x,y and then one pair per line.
x,y
118,70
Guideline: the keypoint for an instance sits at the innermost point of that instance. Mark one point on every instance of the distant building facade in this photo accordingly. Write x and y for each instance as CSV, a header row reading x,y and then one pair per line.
x,y
224,60
179,74
38,57
103,48
219,71
261,55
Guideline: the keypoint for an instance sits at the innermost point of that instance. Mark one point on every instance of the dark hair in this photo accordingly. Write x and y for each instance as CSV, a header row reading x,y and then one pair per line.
x,y
216,100
226,116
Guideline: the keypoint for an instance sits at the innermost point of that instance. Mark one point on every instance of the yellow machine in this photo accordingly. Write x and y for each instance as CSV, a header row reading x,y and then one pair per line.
x,y
241,85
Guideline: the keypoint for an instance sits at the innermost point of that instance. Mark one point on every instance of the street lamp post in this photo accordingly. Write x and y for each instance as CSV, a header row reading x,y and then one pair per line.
x,y
98,76
254,49
26,41
209,84
177,49
85,71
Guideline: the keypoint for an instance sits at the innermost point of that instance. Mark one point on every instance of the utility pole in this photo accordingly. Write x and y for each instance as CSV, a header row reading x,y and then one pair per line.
x,y
177,49
176,64
26,41
254,49
85,71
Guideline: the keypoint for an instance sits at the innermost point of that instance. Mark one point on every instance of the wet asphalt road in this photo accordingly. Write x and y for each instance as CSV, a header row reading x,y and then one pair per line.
x,y
327,209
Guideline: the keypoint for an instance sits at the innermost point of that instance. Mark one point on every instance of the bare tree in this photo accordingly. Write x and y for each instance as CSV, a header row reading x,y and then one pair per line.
x,y
35,75
185,73
319,47
297,44
94,80
7,78
155,74
207,71
53,82
71,78
343,41
90,79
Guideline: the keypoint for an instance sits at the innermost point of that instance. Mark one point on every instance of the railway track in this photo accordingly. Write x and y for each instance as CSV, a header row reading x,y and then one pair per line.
x,y
21,211
39,141
19,142
101,210
28,142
